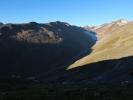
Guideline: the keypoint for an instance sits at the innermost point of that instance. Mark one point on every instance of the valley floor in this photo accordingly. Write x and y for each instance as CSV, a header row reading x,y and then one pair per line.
x,y
42,92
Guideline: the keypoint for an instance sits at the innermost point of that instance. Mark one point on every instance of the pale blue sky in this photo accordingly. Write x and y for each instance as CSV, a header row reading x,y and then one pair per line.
x,y
77,12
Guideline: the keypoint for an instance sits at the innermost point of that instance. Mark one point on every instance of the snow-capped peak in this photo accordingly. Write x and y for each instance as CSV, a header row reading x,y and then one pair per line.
x,y
121,22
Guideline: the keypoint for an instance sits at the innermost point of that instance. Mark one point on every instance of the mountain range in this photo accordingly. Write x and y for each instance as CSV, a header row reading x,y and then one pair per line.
x,y
60,53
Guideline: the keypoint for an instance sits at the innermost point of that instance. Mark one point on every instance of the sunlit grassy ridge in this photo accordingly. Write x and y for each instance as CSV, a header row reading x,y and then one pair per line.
x,y
115,45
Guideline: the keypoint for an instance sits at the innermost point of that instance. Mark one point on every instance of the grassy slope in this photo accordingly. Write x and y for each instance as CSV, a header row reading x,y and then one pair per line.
x,y
106,29
116,45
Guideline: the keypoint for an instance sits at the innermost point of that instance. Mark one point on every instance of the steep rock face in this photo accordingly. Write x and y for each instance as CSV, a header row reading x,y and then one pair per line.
x,y
41,50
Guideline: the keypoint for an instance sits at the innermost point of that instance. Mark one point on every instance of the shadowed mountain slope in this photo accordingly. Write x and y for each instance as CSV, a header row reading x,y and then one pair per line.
x,y
115,71
41,51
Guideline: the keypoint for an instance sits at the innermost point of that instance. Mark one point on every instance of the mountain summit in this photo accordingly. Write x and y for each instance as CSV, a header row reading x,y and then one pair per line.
x,y
107,28
121,22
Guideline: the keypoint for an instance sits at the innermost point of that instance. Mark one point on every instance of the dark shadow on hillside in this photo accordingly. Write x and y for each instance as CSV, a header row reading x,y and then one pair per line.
x,y
110,71
37,60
